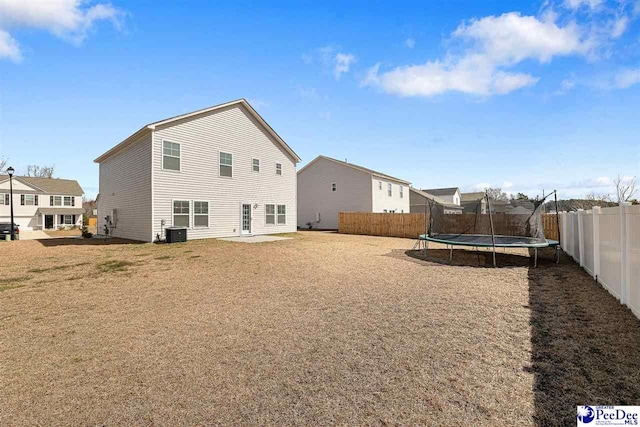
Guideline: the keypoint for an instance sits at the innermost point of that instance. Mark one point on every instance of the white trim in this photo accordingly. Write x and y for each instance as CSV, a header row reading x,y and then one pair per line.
x,y
173,213
253,159
193,215
250,233
278,164
278,214
232,163
162,155
153,197
275,214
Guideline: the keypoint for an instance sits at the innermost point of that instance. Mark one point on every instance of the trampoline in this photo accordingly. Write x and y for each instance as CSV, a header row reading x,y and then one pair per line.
x,y
488,241
489,223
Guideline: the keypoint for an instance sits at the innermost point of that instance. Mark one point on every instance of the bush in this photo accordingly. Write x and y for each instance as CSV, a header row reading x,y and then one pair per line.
x,y
86,233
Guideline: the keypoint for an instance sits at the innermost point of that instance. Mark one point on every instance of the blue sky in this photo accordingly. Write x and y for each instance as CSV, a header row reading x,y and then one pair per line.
x,y
523,95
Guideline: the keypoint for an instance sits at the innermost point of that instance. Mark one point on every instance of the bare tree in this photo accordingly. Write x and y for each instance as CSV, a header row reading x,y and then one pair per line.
x,y
3,162
40,171
625,188
496,194
598,197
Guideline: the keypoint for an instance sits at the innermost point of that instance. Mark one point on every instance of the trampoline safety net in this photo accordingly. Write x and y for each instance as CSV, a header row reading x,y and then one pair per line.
x,y
516,218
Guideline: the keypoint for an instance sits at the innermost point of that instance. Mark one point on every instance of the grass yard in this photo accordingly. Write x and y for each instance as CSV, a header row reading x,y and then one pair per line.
x,y
323,329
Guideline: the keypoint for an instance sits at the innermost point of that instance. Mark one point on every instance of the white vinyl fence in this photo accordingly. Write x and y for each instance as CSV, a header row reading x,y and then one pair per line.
x,y
606,243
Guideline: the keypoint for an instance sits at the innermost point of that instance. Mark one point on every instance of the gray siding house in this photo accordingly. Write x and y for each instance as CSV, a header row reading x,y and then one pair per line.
x,y
219,172
328,186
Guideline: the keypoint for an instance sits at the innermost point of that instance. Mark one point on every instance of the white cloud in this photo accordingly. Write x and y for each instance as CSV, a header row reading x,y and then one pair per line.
x,y
410,43
492,45
9,47
626,78
507,185
67,19
619,27
343,62
576,4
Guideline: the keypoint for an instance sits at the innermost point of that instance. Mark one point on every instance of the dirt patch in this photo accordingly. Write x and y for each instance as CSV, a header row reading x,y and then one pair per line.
x,y
322,329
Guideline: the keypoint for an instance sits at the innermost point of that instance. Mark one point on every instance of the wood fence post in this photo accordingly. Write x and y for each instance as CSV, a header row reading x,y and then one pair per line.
x,y
581,236
596,241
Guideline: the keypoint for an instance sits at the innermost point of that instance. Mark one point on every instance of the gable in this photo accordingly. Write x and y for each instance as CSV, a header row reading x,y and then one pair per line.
x,y
19,186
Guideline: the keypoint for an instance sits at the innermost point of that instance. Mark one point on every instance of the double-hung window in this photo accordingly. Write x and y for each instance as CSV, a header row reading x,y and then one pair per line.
x,y
270,214
67,219
200,214
256,165
226,164
29,200
401,191
170,156
389,190
282,214
55,200
68,201
4,199
278,168
379,185
181,213
334,186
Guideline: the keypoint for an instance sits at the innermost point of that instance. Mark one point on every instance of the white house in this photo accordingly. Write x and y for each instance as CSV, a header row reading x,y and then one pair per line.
x,y
41,203
219,172
328,186
450,195
420,200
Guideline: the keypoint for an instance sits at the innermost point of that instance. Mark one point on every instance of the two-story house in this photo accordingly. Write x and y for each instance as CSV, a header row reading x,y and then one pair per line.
x,y
328,186
41,203
219,172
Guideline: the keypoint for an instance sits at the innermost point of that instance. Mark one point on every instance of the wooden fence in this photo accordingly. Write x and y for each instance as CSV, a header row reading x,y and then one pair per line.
x,y
382,224
414,224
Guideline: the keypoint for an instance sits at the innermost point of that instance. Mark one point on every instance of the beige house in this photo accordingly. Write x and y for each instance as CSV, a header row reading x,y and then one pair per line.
x,y
41,203
449,195
328,186
219,172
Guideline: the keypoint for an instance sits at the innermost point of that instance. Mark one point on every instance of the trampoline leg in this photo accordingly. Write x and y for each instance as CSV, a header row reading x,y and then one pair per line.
x,y
557,254
494,258
426,246
535,257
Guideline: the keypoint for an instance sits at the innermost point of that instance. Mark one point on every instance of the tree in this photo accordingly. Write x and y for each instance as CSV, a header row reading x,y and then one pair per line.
x,y
598,197
497,194
625,188
520,196
3,162
40,171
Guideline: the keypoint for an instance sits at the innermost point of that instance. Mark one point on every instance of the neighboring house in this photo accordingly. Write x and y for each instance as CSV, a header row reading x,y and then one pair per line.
x,y
219,172
469,201
449,195
41,203
421,199
328,186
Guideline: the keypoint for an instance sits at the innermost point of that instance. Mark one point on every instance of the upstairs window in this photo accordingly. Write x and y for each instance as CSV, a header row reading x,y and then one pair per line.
x,y
270,214
181,213
201,214
55,200
28,200
389,190
68,201
256,165
401,191
226,164
278,168
282,214
170,156
334,186
4,199
379,185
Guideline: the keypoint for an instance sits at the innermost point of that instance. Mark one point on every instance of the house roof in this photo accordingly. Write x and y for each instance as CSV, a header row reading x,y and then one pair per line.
x,y
61,211
465,197
151,126
360,168
436,199
53,186
442,191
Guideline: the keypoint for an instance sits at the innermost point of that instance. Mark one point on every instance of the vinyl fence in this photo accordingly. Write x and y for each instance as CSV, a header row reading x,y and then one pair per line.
x,y
606,243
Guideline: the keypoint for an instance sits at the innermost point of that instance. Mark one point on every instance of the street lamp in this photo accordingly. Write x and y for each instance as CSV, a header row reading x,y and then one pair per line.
x,y
10,171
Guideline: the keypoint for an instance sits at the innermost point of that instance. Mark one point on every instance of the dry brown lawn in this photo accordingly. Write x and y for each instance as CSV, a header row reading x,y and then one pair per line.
x,y
323,329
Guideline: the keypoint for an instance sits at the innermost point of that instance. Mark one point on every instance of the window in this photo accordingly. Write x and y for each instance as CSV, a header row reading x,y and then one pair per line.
x,y
28,200
334,186
282,214
256,165
55,200
181,213
389,190
4,199
318,218
270,212
67,219
201,214
170,156
401,191
68,201
379,185
278,168
226,164
384,211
